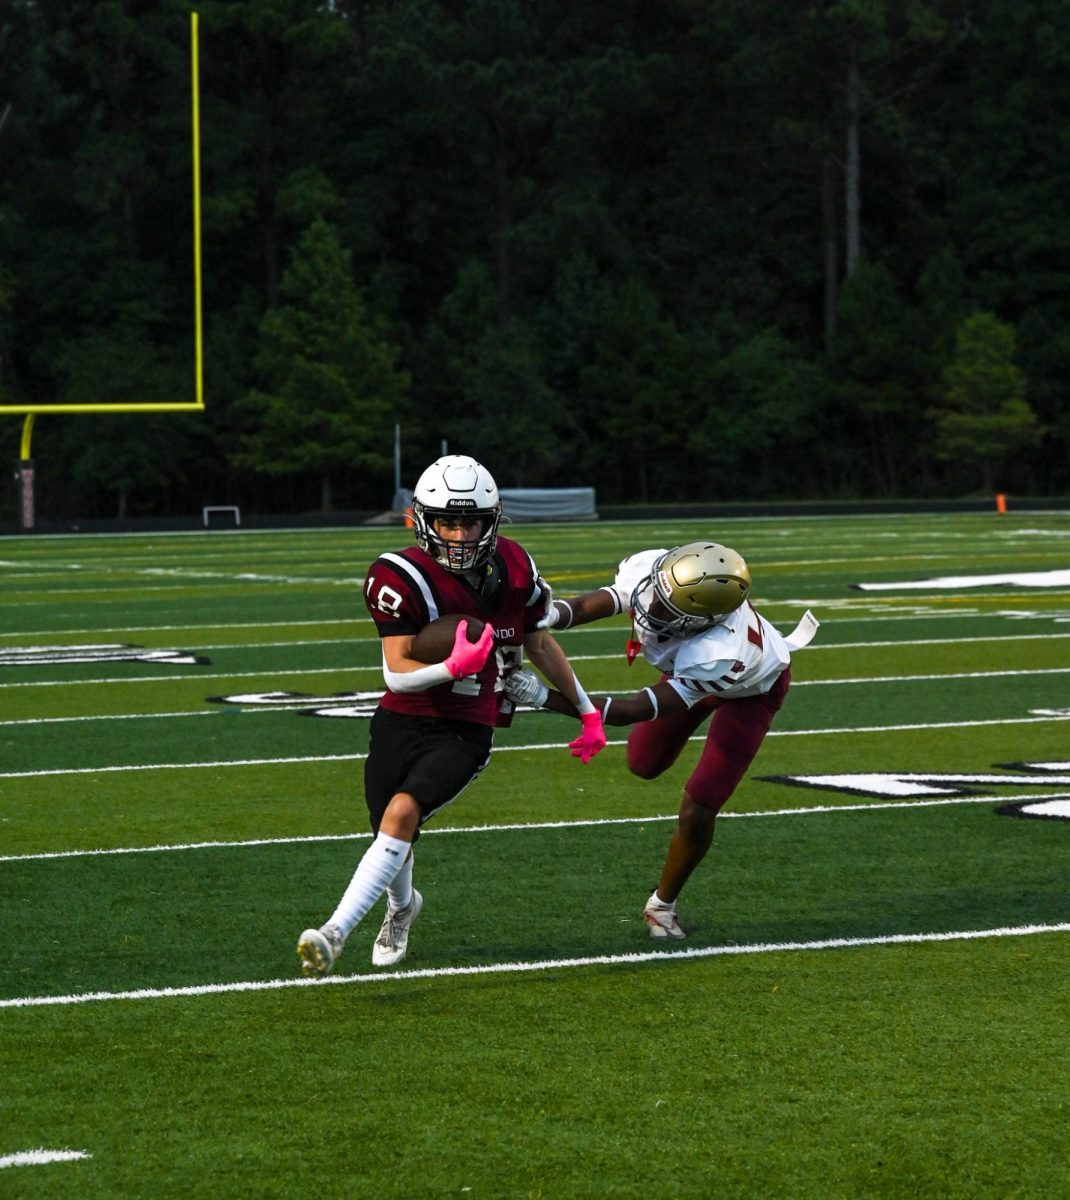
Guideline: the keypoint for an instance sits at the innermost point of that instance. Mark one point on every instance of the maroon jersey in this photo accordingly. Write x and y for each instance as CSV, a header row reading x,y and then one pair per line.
x,y
406,590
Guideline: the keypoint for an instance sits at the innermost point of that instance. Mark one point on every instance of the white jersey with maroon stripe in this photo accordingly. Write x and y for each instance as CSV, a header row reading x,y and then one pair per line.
x,y
741,656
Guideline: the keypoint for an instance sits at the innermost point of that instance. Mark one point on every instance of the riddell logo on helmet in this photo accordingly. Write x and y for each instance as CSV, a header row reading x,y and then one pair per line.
x,y
455,503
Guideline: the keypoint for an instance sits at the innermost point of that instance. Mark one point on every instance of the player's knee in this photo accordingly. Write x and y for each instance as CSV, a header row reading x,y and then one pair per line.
x,y
699,811
402,816
645,770
715,779
645,764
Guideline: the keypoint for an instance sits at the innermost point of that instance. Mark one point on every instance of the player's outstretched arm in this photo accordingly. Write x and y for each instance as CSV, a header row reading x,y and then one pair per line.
x,y
551,660
593,606
522,687
547,656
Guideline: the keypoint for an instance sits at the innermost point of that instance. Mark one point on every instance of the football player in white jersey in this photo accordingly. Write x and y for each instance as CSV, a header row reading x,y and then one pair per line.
x,y
719,658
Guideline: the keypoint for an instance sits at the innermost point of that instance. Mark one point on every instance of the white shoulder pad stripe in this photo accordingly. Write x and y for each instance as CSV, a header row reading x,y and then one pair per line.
x,y
403,564
536,590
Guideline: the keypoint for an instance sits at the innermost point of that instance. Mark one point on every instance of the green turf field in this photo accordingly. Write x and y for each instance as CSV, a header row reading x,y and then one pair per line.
x,y
873,1000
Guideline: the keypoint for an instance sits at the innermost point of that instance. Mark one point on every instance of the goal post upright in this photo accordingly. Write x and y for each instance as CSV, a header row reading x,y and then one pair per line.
x,y
195,119
24,472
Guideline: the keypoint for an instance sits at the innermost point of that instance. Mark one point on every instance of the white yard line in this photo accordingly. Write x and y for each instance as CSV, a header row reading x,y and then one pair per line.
x,y
107,631
514,968
40,1156
377,668
175,678
267,762
526,826
842,608
325,702
1020,637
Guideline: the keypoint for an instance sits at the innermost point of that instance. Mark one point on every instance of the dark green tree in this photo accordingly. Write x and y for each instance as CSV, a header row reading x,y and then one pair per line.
x,y
141,459
983,417
876,364
760,420
636,217
637,391
1010,207
333,389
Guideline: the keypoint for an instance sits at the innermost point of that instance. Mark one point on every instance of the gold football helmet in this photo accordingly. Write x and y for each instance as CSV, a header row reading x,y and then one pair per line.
x,y
691,588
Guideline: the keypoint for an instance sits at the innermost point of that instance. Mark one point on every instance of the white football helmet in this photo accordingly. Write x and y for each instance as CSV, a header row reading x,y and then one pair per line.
x,y
457,486
690,589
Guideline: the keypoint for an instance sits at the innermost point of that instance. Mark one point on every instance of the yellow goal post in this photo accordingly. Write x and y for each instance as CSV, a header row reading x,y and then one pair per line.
x,y
29,411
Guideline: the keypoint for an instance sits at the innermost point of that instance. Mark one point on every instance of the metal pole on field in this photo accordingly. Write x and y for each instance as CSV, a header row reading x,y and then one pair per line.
x,y
24,484
24,479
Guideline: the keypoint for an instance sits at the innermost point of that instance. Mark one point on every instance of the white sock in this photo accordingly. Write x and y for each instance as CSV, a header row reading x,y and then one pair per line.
x,y
399,893
375,872
657,901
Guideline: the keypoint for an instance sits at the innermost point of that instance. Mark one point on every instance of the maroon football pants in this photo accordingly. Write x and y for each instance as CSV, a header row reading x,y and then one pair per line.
x,y
736,732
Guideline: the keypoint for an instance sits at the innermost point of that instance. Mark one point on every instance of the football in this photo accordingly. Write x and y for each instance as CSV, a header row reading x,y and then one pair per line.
x,y
435,641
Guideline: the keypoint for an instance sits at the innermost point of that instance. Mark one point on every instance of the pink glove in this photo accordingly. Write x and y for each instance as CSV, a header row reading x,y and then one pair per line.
x,y
591,740
467,658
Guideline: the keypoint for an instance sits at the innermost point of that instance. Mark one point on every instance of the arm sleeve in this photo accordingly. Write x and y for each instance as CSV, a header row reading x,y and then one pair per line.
x,y
416,681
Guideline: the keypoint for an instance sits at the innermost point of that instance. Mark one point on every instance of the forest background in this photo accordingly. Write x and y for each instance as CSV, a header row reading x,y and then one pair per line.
x,y
698,250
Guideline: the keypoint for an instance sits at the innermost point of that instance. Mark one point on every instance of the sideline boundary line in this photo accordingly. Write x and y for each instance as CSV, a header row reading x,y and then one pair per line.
x,y
513,968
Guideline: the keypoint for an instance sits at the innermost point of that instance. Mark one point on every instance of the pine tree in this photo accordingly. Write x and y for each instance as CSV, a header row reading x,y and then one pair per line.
x,y
332,387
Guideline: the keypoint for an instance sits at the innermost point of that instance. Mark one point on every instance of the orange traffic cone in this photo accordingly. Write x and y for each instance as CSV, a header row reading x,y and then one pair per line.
x,y
1001,503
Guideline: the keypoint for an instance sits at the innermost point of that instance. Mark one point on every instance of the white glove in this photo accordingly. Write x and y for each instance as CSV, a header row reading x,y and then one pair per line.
x,y
525,687
553,615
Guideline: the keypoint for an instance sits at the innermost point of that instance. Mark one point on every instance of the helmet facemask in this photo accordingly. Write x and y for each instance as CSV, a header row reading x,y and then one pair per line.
x,y
467,554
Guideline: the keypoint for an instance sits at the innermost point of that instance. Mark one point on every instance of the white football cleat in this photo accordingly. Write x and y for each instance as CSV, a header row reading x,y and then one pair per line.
x,y
318,949
661,920
393,939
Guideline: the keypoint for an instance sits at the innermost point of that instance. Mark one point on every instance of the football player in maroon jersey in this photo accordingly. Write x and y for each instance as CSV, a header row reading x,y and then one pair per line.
x,y
431,733
692,621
